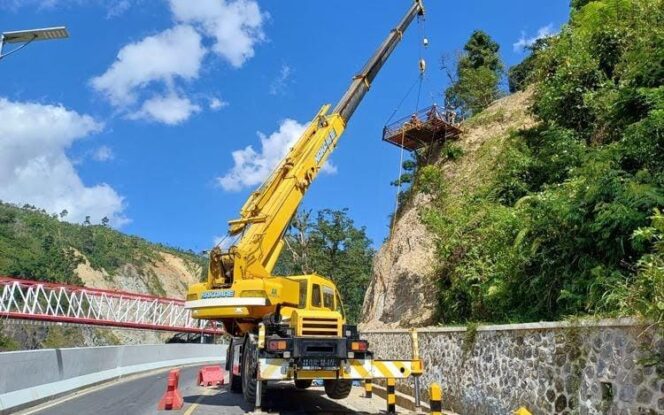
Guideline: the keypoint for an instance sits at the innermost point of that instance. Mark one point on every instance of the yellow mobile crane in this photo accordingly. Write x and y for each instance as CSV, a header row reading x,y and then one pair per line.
x,y
291,327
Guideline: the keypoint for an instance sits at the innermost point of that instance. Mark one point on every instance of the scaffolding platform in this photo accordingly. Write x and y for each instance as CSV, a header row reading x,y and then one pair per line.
x,y
423,128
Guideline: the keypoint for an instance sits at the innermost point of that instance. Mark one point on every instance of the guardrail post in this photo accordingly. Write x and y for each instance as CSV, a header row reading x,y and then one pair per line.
x,y
416,356
391,396
368,388
435,399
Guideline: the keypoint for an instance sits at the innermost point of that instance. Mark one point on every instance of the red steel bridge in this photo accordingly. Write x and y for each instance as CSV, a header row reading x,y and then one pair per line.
x,y
60,303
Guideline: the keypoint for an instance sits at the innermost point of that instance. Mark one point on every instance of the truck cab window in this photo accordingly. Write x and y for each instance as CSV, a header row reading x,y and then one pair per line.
x,y
315,296
303,294
328,298
340,306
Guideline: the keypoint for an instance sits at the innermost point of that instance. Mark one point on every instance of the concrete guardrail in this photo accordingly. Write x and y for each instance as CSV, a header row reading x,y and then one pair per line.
x,y
33,376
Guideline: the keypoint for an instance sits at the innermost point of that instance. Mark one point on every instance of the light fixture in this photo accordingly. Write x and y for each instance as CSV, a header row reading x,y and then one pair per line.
x,y
28,36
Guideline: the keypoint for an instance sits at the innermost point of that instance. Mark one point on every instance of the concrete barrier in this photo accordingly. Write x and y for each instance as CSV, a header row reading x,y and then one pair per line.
x,y
30,377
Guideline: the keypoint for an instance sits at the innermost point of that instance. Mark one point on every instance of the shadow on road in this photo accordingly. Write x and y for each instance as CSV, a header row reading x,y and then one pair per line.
x,y
279,399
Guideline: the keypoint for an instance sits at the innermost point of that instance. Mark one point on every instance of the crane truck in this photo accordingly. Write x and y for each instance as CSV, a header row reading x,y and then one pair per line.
x,y
292,327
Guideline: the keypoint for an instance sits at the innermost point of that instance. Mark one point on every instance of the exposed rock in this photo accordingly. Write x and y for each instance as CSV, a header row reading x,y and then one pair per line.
x,y
403,291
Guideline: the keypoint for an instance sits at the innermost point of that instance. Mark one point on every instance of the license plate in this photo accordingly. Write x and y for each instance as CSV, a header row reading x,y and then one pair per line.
x,y
318,364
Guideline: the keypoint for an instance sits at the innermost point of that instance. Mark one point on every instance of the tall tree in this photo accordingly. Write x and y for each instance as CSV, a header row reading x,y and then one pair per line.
x,y
332,246
478,72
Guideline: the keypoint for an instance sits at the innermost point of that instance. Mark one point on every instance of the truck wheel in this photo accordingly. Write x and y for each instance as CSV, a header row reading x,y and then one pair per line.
x,y
249,368
302,383
337,388
234,380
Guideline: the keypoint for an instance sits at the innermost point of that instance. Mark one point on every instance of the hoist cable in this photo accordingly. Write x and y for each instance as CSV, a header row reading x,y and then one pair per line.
x,y
402,101
419,81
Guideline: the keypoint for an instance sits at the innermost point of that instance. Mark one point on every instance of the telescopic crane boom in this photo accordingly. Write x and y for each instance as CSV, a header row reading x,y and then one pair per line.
x,y
291,327
265,216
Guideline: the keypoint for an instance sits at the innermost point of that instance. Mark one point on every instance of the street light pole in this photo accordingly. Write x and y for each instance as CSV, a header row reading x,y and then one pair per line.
x,y
28,36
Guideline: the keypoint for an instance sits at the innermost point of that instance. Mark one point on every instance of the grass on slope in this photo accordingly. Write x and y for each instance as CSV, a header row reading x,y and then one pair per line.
x,y
35,245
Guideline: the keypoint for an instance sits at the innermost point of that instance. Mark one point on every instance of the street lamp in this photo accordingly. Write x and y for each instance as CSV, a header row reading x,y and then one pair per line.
x,y
28,36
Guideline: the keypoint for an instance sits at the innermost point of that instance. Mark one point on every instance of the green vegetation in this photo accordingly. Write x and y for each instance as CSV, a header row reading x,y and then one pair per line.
x,y
568,221
330,245
521,75
478,72
7,344
58,337
35,245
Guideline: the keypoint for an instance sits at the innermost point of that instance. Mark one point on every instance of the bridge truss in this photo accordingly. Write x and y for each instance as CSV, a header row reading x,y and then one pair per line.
x,y
42,301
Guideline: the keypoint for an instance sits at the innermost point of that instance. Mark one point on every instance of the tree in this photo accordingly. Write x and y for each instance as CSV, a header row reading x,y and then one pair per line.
x,y
332,246
408,167
522,74
105,221
578,4
64,213
479,70
87,222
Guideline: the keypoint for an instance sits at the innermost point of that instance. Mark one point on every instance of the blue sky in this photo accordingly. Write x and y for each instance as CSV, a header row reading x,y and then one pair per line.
x,y
145,113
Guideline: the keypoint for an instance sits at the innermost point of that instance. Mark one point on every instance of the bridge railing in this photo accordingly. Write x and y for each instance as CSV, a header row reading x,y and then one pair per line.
x,y
43,301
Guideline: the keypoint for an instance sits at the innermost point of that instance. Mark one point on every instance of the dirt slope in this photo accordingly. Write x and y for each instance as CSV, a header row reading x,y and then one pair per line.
x,y
403,290
168,277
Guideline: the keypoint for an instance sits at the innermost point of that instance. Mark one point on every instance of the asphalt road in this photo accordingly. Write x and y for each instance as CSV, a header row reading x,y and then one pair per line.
x,y
140,395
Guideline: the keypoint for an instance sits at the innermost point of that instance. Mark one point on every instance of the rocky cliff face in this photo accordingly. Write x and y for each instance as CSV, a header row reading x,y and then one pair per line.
x,y
403,289
168,277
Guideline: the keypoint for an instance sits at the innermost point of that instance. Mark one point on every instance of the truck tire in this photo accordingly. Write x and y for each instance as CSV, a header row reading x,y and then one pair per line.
x,y
249,368
337,388
303,383
234,380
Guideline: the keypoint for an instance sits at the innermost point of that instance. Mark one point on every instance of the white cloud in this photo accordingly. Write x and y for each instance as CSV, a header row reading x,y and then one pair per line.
x,y
235,25
279,84
217,104
35,169
173,53
103,153
169,109
117,8
251,168
524,41
329,168
164,60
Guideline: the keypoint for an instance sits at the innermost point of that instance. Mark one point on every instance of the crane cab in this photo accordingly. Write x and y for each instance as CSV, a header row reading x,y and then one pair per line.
x,y
320,310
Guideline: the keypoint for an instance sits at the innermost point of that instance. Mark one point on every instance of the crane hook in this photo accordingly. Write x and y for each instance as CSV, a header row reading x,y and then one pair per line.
x,y
423,66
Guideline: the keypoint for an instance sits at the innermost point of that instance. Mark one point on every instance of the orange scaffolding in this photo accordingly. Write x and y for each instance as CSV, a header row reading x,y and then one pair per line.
x,y
423,128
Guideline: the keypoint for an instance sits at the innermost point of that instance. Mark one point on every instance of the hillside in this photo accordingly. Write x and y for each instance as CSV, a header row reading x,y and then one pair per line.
x,y
550,205
38,246
403,291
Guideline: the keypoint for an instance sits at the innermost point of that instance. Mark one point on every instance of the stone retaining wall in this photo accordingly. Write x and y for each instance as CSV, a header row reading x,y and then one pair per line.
x,y
590,367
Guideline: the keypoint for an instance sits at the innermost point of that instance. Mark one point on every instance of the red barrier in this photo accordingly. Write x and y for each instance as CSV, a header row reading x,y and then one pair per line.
x,y
210,376
172,399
